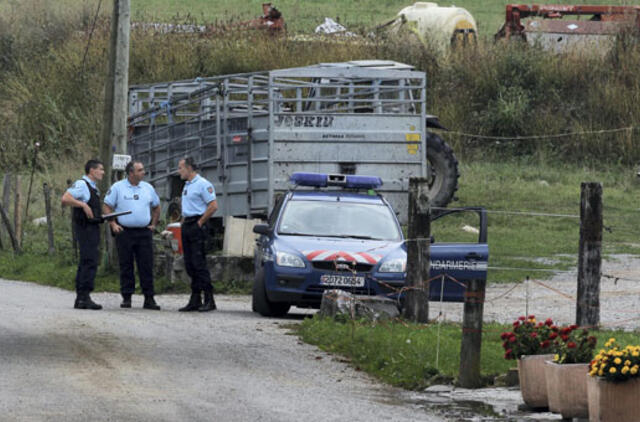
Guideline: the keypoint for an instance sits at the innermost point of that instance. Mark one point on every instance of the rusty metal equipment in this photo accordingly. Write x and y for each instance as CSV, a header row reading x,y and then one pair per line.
x,y
270,21
549,26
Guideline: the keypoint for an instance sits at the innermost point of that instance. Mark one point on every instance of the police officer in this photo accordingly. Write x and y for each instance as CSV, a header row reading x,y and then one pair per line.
x,y
83,196
198,205
134,232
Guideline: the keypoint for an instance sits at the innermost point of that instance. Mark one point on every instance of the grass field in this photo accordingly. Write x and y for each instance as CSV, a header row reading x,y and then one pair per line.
x,y
300,16
405,354
304,16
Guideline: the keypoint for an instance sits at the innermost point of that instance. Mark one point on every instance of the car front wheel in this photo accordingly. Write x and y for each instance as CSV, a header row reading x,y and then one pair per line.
x,y
261,304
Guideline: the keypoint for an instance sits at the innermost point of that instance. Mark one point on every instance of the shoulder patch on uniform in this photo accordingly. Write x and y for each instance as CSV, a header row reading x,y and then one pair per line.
x,y
210,189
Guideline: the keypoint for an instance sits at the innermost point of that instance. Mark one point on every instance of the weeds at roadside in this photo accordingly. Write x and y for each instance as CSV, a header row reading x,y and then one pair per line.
x,y
404,354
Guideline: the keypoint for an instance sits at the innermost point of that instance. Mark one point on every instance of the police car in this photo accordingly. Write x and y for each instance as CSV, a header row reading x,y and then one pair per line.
x,y
349,238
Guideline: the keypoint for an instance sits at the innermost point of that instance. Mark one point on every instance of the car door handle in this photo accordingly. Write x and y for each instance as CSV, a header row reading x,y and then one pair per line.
x,y
473,255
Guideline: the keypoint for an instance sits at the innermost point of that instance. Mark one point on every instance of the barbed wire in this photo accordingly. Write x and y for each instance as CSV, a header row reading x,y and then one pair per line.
x,y
541,137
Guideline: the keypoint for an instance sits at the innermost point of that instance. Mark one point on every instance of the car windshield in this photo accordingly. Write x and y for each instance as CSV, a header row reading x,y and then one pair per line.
x,y
339,219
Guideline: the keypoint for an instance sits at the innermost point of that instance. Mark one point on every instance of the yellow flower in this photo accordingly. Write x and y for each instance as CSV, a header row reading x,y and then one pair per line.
x,y
600,373
617,361
634,370
556,358
635,354
625,370
612,370
627,363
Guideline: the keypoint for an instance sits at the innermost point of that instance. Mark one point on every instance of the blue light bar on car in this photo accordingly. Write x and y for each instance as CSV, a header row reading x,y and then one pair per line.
x,y
322,180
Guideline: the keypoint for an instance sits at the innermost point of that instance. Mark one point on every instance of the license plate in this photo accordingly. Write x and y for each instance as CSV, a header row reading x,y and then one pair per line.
x,y
341,280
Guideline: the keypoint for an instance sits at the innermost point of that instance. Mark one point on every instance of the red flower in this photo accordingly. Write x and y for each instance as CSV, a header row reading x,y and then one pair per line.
x,y
507,354
512,339
534,335
564,337
544,344
516,324
540,324
573,327
548,322
553,335
532,317
504,336
565,330
521,318
554,328
571,345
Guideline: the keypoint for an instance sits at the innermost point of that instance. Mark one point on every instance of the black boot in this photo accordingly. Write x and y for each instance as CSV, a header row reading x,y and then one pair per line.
x,y
126,300
83,301
150,303
195,302
209,303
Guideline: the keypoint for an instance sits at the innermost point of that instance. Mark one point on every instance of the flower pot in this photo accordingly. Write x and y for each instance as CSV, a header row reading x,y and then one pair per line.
x,y
533,385
613,401
567,389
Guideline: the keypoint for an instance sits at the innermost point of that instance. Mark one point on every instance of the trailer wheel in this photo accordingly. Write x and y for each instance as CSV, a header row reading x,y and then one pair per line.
x,y
261,304
442,171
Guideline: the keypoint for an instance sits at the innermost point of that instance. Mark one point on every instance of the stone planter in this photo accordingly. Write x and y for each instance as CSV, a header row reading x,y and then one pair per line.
x,y
533,385
613,401
567,389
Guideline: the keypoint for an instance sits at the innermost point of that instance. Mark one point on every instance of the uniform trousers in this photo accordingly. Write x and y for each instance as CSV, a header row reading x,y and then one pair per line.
x,y
195,259
88,237
135,244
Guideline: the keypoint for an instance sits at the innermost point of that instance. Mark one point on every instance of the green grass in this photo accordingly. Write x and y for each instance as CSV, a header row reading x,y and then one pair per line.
x,y
404,355
304,16
540,242
300,16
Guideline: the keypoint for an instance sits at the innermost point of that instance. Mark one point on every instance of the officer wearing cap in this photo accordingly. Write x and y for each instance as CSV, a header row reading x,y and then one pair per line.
x,y
198,205
84,197
134,232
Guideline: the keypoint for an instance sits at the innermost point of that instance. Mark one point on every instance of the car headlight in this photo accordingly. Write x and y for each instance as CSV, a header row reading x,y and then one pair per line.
x,y
285,259
398,265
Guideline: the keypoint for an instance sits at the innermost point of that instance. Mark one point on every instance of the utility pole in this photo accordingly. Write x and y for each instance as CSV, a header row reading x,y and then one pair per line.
x,y
114,133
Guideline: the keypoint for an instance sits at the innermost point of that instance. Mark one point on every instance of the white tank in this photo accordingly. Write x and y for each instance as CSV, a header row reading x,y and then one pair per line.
x,y
444,26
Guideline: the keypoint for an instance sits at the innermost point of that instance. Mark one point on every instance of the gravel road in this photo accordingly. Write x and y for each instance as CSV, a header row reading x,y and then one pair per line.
x,y
556,298
57,363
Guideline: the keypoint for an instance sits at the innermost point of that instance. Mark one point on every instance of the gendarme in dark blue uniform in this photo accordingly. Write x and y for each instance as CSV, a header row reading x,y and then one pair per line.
x,y
81,194
198,205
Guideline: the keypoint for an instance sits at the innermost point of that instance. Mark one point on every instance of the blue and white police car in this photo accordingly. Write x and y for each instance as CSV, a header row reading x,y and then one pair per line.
x,y
347,239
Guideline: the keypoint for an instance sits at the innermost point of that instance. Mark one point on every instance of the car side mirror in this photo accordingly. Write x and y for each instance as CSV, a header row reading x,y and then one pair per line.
x,y
262,229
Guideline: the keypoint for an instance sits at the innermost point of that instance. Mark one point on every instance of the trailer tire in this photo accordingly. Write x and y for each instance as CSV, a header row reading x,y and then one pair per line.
x,y
442,171
260,303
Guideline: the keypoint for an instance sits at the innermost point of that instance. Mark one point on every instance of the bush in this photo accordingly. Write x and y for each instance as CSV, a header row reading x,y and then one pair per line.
x,y
573,345
615,363
528,337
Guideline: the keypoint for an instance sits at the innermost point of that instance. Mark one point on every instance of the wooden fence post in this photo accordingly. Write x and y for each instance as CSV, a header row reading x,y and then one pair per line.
x,y
589,256
17,211
416,306
6,194
47,207
7,223
471,345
